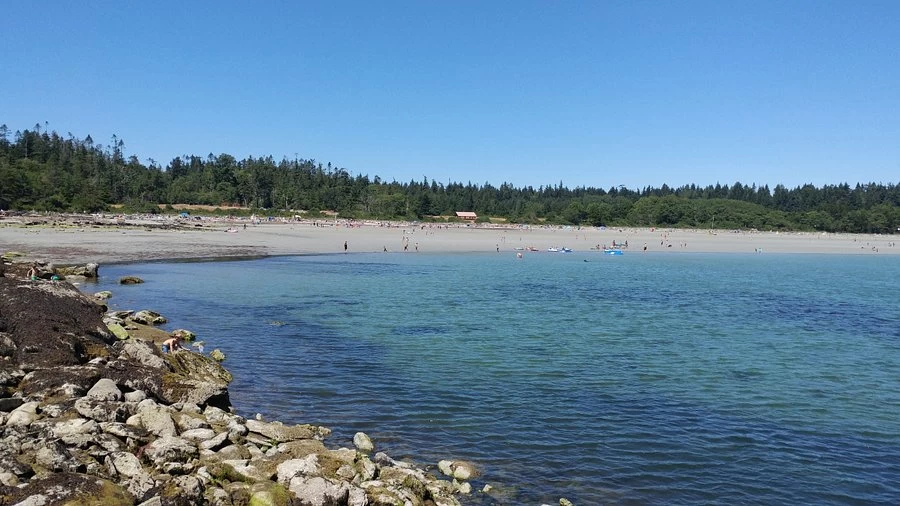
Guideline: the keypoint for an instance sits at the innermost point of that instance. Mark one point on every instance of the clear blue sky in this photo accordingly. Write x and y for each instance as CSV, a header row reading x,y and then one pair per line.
x,y
590,93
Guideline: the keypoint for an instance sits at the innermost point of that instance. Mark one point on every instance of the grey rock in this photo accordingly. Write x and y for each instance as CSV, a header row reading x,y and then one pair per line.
x,y
362,443
318,491
135,396
170,448
23,415
105,390
198,435
189,488
188,421
142,352
282,433
102,411
233,452
308,466
156,418
74,426
215,442
54,456
125,464
147,317
125,430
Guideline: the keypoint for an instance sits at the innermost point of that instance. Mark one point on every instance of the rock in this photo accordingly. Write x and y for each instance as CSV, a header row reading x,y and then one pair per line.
x,y
69,488
233,452
102,411
54,456
105,390
84,271
147,317
363,443
184,335
188,488
217,355
198,435
280,433
23,415
250,470
74,426
458,469
130,280
170,448
10,404
135,396
123,430
187,421
308,466
52,324
142,352
318,491
125,464
118,331
564,502
103,295
214,442
269,494
156,418
7,345
196,380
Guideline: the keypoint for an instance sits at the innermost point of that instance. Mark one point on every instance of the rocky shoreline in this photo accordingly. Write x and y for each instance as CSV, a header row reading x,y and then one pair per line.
x,y
89,416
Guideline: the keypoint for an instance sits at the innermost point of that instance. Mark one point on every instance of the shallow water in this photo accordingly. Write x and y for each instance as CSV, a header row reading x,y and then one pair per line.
x,y
640,379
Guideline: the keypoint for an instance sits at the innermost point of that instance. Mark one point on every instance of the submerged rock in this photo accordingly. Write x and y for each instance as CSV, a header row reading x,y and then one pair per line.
x,y
130,280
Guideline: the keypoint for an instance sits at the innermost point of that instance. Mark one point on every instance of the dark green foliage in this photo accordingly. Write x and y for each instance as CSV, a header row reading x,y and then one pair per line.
x,y
41,170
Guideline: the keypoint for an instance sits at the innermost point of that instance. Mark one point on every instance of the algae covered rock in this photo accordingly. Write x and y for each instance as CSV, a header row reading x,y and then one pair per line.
x,y
70,488
117,330
147,317
130,280
217,355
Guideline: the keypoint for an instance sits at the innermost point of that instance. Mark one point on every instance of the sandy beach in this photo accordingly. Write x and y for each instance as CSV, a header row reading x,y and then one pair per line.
x,y
109,240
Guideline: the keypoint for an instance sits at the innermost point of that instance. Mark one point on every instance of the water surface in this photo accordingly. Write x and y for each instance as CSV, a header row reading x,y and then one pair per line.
x,y
640,379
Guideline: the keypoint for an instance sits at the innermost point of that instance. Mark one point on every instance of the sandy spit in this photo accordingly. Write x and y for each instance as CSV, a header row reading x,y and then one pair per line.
x,y
107,240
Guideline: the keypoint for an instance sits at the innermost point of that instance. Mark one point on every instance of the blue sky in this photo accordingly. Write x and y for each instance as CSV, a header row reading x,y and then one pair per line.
x,y
590,93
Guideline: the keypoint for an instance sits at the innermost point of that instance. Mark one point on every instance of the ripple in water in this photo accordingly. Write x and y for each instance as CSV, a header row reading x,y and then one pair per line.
x,y
641,379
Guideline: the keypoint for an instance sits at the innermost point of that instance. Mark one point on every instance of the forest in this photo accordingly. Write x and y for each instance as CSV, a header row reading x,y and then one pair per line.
x,y
41,170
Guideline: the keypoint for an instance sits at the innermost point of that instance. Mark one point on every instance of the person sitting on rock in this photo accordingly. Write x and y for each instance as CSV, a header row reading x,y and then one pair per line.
x,y
171,345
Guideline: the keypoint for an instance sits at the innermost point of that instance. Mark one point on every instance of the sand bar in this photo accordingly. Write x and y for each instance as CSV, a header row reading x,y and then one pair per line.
x,y
104,240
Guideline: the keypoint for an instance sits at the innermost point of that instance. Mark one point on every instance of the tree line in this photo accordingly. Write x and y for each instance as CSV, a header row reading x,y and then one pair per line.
x,y
44,171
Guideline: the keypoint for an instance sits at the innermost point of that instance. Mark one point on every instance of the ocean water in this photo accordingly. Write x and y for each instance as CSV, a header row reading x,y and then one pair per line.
x,y
639,379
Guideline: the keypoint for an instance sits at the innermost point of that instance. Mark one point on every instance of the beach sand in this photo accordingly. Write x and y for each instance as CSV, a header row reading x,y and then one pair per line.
x,y
68,242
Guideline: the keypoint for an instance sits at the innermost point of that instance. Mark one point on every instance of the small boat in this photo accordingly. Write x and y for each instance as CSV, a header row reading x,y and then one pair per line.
x,y
613,251
565,250
553,250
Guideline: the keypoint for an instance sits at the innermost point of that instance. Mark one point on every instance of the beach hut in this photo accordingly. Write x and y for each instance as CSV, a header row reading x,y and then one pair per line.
x,y
466,215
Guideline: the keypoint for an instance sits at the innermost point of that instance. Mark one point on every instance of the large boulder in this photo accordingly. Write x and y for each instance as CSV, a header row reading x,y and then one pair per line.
x,y
51,324
69,488
280,433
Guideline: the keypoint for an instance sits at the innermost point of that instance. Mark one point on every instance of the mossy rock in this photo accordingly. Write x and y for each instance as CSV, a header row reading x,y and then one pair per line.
x,y
118,330
217,355
130,280
269,494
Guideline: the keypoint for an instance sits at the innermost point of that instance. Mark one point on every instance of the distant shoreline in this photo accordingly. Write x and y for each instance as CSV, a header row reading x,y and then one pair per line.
x,y
74,239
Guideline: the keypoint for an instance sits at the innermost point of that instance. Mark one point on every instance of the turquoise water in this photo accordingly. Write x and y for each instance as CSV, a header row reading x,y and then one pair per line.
x,y
640,379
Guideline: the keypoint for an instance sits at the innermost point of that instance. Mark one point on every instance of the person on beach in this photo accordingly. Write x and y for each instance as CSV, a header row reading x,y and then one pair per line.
x,y
32,273
171,345
345,246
